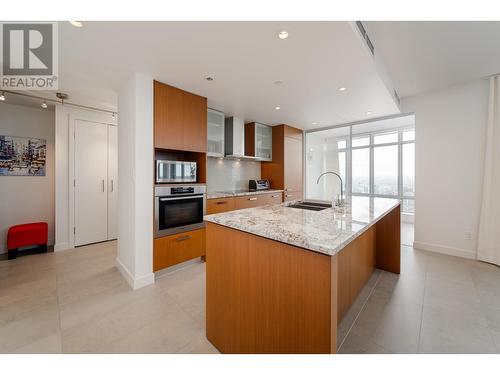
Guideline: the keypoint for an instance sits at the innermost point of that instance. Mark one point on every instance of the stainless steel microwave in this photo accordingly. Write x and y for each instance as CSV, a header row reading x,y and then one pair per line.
x,y
170,171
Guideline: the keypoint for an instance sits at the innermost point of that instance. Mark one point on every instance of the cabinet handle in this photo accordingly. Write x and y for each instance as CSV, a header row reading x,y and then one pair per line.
x,y
103,186
183,238
274,196
252,199
112,186
288,189
222,202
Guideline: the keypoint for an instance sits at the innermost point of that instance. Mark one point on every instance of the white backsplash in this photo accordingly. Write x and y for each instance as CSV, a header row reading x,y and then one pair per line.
x,y
225,174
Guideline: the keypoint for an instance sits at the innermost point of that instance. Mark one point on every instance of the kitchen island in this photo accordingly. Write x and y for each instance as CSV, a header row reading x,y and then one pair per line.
x,y
279,279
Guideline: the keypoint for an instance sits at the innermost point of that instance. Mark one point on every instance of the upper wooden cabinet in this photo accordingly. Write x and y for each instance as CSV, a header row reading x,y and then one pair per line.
x,y
180,119
259,141
285,171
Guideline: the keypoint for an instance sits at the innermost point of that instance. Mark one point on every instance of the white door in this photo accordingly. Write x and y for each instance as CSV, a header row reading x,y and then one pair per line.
x,y
91,192
112,182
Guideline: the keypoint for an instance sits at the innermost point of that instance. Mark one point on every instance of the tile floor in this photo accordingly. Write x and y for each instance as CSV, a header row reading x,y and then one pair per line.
x,y
76,301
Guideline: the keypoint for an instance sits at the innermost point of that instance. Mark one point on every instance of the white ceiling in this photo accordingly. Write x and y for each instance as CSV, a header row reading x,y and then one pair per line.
x,y
422,56
244,57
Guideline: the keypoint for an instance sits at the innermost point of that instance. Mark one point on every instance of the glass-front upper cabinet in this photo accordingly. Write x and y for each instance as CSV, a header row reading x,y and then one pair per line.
x,y
263,142
215,133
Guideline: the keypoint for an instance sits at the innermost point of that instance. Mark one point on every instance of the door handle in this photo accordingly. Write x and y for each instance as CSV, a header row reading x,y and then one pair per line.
x,y
103,186
183,238
252,199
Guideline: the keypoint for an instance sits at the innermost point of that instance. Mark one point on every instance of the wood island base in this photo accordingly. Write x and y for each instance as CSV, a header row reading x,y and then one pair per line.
x,y
265,296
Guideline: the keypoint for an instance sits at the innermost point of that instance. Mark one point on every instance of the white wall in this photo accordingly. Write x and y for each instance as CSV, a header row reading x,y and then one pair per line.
x,y
64,128
25,199
450,129
225,174
135,179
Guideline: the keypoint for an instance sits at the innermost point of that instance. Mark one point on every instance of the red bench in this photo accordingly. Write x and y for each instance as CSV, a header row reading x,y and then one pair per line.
x,y
26,235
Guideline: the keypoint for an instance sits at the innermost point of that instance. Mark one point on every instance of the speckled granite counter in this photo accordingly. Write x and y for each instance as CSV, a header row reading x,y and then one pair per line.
x,y
326,231
229,194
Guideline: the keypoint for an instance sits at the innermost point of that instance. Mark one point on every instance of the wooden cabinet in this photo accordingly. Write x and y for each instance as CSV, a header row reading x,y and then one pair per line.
x,y
285,171
259,141
215,206
180,119
178,248
218,205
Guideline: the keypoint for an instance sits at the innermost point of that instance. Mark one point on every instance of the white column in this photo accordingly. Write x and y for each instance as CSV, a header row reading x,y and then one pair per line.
x,y
135,181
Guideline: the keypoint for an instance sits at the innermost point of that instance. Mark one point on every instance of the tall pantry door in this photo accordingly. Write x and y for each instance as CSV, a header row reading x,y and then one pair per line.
x,y
112,182
91,191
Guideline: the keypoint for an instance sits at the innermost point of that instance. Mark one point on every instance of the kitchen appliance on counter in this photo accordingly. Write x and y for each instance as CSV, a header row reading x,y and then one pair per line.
x,y
171,171
257,185
179,208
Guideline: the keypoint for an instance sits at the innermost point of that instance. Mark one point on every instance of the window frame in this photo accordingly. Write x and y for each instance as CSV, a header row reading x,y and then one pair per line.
x,y
371,146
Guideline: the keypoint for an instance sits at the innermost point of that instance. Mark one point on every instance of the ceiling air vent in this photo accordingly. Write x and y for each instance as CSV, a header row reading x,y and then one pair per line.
x,y
363,32
396,96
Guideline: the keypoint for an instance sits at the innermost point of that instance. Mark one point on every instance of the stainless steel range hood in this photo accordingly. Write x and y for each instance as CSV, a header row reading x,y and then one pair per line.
x,y
234,139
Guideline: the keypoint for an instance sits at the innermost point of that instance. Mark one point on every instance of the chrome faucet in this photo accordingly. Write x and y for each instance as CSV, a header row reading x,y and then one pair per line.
x,y
339,202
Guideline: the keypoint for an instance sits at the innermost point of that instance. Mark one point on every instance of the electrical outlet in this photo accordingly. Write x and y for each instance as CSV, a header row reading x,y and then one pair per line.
x,y
468,236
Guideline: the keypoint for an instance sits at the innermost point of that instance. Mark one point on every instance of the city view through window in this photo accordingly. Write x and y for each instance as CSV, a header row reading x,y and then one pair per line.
x,y
378,163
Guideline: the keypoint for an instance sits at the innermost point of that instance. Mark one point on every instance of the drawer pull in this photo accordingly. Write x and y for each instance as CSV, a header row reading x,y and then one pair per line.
x,y
223,202
252,199
274,196
183,238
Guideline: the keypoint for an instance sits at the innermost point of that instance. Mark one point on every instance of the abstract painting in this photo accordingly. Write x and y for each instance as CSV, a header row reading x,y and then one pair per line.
x,y
20,156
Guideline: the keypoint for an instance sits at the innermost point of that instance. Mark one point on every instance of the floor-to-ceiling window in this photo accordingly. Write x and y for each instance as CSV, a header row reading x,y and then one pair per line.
x,y
374,159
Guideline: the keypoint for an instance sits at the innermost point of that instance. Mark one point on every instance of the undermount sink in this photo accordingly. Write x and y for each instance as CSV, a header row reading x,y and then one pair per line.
x,y
312,206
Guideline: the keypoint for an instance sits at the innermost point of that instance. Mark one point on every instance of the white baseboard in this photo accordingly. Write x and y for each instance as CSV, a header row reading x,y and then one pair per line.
x,y
135,282
445,250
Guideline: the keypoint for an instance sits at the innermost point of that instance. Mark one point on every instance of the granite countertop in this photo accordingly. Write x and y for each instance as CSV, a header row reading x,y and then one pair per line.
x,y
239,193
327,231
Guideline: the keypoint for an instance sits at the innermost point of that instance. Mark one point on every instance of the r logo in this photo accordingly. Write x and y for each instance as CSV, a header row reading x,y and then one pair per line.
x,y
27,49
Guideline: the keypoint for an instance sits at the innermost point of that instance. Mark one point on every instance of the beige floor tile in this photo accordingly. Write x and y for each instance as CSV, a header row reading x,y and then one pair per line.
x,y
171,332
137,313
47,345
106,279
450,268
201,345
399,327
358,343
454,331
32,327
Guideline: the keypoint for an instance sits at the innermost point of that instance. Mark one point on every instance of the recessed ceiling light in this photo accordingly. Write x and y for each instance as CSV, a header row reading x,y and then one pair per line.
x,y
369,112
342,89
315,123
277,108
44,105
209,78
283,34
2,96
76,23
